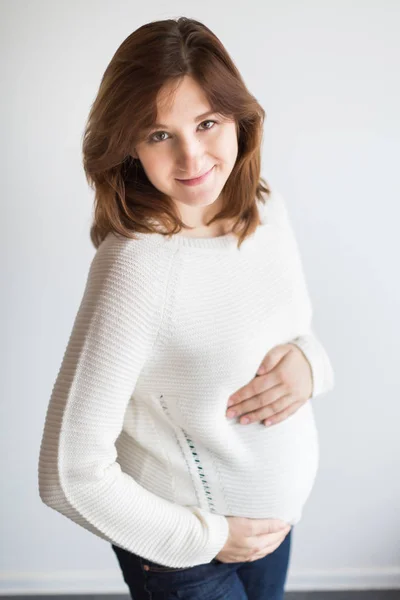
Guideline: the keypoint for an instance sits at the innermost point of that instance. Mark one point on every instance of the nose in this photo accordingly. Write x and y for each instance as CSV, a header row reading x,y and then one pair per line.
x,y
189,159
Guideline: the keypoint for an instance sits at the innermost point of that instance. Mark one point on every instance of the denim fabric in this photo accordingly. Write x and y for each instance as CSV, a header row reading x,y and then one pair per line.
x,y
262,579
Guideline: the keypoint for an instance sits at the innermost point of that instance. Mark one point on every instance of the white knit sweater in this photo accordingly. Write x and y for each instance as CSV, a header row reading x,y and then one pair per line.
x,y
136,446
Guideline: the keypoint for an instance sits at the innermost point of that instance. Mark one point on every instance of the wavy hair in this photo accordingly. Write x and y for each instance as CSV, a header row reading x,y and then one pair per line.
x,y
126,106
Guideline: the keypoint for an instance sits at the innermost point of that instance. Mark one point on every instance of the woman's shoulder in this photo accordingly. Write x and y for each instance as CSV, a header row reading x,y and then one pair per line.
x,y
116,252
119,248
127,264
273,210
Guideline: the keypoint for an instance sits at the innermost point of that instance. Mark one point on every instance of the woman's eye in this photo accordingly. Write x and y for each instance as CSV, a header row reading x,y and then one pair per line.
x,y
209,121
153,137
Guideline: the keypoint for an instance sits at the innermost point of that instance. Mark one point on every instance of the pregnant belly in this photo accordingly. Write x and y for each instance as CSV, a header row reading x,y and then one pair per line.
x,y
271,470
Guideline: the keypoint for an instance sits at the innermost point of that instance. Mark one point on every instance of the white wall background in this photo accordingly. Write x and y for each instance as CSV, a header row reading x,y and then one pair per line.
x,y
327,74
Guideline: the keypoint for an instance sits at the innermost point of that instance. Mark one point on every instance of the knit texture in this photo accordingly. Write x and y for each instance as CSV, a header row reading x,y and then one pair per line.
x,y
136,447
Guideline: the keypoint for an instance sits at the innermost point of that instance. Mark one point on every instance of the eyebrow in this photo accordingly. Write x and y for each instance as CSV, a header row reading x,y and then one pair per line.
x,y
197,119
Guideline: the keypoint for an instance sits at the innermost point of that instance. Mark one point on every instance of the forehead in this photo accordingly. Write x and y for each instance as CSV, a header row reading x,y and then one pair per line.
x,y
182,98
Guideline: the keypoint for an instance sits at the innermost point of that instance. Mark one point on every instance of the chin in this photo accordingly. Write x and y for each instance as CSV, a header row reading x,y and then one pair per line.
x,y
200,200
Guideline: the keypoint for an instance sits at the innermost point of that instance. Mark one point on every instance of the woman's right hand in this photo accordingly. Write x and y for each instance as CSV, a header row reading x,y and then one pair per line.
x,y
251,539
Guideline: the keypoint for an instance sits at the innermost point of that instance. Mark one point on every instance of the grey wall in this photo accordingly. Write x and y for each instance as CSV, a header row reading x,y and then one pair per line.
x,y
327,76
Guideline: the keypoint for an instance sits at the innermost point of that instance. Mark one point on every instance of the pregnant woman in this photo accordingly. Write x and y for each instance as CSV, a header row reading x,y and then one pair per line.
x,y
195,294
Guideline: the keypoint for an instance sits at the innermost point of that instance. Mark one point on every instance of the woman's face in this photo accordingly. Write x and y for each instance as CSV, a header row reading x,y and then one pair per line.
x,y
186,144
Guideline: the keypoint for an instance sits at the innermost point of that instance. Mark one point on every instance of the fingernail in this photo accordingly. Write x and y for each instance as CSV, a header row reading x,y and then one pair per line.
x,y
230,414
245,420
231,402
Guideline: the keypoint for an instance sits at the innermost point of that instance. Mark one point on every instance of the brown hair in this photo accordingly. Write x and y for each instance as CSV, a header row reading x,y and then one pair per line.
x,y
126,105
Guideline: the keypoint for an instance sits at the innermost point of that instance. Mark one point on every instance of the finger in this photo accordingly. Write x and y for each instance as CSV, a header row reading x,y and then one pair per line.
x,y
257,385
278,418
274,357
273,542
264,553
265,398
268,550
269,539
271,548
265,412
258,527
250,389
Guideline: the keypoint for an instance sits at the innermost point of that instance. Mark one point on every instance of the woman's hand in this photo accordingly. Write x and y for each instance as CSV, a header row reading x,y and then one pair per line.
x,y
251,539
272,397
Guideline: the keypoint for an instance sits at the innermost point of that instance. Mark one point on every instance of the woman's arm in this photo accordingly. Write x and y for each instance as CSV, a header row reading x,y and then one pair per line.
x,y
321,366
307,342
112,337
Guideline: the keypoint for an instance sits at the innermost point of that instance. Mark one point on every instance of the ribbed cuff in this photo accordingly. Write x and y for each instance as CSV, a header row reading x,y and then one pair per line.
x,y
217,532
321,367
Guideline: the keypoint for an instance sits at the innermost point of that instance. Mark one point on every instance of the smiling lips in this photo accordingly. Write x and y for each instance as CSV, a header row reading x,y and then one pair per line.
x,y
197,180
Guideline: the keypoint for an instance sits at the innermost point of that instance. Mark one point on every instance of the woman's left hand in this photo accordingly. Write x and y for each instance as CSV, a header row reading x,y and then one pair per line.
x,y
272,397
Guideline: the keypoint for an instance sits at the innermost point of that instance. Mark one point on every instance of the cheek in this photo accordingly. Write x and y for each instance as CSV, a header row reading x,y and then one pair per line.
x,y
228,147
155,165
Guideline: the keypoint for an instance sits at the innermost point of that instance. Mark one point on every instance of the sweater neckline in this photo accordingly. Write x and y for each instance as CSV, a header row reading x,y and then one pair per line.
x,y
227,241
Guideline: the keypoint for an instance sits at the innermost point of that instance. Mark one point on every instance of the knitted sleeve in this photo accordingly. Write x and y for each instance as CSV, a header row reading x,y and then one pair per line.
x,y
312,348
113,334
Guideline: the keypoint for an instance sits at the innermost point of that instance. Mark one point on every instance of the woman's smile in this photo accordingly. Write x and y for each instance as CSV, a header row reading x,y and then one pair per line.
x,y
196,180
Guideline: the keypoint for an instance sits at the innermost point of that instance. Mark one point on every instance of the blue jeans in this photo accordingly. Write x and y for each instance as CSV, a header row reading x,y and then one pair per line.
x,y
262,579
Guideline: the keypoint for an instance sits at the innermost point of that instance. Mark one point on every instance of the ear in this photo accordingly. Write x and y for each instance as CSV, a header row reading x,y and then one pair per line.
x,y
134,154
